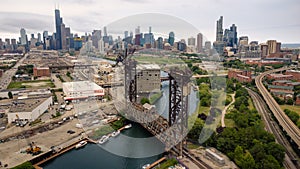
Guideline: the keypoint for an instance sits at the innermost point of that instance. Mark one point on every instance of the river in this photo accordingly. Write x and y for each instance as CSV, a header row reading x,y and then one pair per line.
x,y
123,151
94,156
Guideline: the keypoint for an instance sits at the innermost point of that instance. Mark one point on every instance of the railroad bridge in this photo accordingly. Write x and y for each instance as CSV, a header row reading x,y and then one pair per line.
x,y
172,131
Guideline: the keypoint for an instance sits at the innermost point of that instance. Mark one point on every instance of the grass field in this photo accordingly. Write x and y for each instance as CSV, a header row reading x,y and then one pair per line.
x,y
251,106
229,123
291,107
31,84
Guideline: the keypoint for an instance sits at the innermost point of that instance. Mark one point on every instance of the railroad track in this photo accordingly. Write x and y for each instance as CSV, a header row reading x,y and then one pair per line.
x,y
201,164
290,160
292,130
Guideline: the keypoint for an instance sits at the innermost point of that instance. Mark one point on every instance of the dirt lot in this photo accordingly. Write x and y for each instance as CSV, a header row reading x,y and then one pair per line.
x,y
10,151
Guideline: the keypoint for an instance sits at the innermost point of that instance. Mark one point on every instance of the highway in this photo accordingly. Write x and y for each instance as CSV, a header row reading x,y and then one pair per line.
x,y
291,129
8,74
272,127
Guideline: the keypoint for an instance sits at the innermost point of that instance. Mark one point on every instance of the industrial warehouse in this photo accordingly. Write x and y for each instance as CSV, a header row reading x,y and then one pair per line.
x,y
82,90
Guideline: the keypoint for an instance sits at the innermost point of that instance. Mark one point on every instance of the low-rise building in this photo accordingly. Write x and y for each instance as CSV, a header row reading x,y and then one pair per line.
x,y
279,77
82,90
294,73
29,108
148,78
41,71
297,100
240,75
283,88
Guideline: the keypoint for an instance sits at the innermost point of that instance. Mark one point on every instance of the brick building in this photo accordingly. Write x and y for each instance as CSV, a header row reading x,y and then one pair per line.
x,y
283,88
297,99
240,75
279,77
294,73
41,71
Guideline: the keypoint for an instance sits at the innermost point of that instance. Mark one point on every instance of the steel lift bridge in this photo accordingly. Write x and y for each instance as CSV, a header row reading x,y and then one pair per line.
x,y
172,131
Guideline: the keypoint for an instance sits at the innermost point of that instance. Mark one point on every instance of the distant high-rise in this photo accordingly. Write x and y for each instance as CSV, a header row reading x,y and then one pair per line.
x,y
230,36
39,38
219,33
23,36
96,36
207,45
243,40
105,31
264,50
191,41
125,34
171,38
273,46
200,42
233,40
58,23
160,43
137,30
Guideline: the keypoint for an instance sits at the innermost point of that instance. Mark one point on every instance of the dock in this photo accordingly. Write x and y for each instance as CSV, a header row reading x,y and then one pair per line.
x,y
64,150
68,148
156,163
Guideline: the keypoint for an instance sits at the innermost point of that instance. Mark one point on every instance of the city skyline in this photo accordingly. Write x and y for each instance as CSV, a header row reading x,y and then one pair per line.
x,y
283,26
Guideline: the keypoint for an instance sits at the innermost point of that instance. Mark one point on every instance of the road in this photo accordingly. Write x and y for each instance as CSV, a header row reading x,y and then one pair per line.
x,y
225,109
291,129
272,127
8,74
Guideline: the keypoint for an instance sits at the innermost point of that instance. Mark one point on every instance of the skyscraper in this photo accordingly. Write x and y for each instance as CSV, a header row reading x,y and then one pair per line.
x,y
23,36
160,43
219,35
39,38
58,22
105,31
272,46
191,41
200,42
137,30
125,34
207,45
171,38
233,40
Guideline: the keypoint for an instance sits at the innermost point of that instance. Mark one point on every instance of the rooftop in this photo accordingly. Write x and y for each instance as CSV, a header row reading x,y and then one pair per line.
x,y
294,71
28,104
81,86
148,67
280,75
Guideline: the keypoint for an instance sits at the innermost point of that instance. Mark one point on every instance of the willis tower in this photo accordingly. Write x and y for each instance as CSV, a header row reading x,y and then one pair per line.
x,y
58,23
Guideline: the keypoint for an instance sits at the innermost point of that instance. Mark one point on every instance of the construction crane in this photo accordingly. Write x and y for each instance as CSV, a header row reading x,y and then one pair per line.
x,y
33,149
123,55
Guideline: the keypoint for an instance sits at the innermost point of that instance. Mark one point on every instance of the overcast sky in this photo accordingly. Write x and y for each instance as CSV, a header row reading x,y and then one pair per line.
x,y
259,19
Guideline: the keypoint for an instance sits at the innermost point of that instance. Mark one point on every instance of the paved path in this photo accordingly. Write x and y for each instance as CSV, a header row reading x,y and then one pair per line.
x,y
225,109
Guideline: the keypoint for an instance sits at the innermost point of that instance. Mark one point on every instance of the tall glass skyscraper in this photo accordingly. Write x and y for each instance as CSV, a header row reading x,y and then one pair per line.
x,y
219,36
23,36
171,38
58,23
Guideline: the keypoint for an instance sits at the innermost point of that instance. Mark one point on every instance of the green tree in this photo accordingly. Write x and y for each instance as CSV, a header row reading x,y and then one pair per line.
x,y
270,162
290,102
26,165
145,100
276,150
292,115
10,95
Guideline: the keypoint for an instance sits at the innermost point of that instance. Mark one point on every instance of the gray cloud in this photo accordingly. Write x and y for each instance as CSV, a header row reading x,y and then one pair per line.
x,y
258,19
11,22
